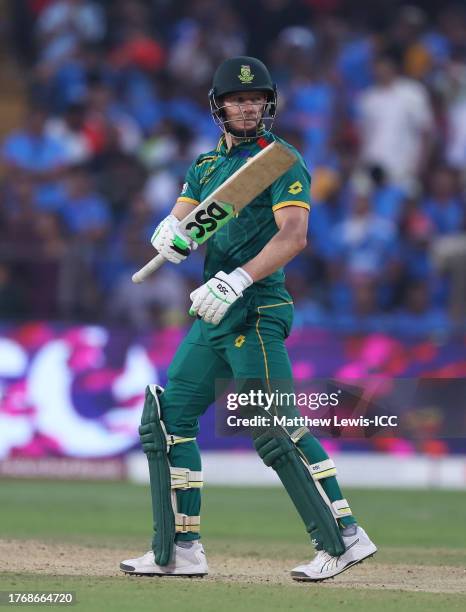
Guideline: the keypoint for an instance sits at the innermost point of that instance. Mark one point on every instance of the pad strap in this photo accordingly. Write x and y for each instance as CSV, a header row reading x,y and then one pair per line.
x,y
297,434
185,523
172,439
183,478
340,508
323,469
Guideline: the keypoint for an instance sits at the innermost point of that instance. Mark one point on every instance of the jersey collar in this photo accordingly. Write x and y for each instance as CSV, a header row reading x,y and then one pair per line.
x,y
262,140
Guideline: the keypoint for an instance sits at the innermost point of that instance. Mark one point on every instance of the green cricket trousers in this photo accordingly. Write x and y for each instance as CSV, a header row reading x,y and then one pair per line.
x,y
248,344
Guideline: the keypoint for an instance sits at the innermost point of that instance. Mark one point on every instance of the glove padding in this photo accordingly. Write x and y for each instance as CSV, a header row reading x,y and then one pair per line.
x,y
170,243
214,298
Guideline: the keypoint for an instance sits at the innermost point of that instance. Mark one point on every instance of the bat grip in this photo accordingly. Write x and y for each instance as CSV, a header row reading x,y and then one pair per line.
x,y
150,267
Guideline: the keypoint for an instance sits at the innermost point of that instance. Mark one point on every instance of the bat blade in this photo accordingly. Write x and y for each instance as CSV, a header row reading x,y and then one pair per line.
x,y
258,173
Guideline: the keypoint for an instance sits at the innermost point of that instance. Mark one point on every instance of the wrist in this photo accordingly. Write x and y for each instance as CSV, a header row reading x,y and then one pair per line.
x,y
242,278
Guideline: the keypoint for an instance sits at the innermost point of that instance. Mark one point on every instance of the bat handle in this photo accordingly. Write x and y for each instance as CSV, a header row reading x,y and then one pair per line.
x,y
150,267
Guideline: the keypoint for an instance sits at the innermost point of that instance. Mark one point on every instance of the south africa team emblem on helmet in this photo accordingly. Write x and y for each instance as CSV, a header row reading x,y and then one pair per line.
x,y
245,76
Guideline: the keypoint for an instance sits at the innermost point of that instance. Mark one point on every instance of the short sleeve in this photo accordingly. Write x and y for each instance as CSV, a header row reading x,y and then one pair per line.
x,y
190,191
292,189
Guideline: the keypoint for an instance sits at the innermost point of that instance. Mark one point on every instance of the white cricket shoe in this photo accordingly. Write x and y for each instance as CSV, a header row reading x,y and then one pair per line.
x,y
185,562
323,566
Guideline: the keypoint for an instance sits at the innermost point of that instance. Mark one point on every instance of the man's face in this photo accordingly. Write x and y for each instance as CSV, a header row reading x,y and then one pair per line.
x,y
36,121
243,110
385,71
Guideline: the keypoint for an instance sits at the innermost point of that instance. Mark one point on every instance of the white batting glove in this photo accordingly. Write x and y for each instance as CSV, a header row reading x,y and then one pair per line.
x,y
214,298
170,243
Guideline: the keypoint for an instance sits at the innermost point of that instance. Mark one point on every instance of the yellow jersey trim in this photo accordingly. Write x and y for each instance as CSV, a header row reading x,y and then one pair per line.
x,y
267,377
220,143
261,342
291,203
187,200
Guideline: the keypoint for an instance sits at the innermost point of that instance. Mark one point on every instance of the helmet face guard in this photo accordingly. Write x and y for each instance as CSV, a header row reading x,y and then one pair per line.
x,y
265,115
243,75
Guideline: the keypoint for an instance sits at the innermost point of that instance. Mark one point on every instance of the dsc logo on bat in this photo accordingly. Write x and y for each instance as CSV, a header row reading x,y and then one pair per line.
x,y
208,221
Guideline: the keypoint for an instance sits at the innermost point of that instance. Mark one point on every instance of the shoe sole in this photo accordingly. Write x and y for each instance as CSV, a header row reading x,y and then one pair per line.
x,y
127,569
165,575
302,577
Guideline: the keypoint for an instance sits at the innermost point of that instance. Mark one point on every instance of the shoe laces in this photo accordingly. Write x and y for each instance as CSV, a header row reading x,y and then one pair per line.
x,y
324,558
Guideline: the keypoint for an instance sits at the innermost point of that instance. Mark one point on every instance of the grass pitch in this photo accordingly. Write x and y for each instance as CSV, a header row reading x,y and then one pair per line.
x,y
71,537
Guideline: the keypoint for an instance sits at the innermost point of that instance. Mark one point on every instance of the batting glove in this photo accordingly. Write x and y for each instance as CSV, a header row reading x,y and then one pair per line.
x,y
170,243
214,298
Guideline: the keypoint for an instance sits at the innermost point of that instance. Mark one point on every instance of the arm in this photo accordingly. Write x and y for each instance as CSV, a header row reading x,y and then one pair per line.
x,y
290,203
290,239
181,209
212,300
166,238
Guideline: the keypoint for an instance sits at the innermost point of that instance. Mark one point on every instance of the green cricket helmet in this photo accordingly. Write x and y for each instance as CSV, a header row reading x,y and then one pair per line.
x,y
237,75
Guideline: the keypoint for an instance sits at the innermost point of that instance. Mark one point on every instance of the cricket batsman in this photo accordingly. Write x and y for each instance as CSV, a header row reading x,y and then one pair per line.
x,y
243,316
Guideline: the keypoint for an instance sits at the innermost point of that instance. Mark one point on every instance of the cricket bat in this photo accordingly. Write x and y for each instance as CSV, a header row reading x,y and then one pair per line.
x,y
258,173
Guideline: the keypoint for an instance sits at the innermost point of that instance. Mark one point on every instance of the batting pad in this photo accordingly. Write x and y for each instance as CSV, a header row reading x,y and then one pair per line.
x,y
164,479
278,451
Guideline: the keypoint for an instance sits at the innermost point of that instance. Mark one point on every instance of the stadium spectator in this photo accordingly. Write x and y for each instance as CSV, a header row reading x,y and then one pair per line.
x,y
32,150
106,116
138,50
443,204
395,123
65,24
70,131
363,243
85,213
454,90
449,257
418,317
363,249
311,108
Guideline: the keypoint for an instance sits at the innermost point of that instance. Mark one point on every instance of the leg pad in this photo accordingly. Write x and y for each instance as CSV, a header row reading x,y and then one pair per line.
x,y
278,451
165,480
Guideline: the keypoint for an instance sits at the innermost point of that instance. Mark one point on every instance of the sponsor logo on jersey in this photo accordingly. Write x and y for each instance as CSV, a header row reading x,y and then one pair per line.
x,y
295,188
245,76
208,221
184,189
206,178
239,341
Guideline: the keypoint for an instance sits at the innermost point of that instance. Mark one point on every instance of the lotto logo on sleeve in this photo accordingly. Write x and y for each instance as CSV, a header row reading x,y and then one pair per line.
x,y
295,188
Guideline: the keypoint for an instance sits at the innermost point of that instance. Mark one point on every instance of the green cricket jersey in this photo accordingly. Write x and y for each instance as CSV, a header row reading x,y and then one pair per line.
x,y
244,236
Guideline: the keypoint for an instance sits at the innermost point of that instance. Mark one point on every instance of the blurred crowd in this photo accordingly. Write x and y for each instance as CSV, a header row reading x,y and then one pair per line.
x,y
372,94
